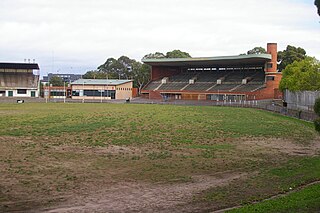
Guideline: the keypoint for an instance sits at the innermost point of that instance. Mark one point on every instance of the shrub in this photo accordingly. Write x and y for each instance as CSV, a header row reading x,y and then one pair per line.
x,y
317,124
316,107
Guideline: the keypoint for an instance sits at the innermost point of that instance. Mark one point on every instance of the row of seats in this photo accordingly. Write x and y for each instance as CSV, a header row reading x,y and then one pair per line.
x,y
25,80
213,76
207,81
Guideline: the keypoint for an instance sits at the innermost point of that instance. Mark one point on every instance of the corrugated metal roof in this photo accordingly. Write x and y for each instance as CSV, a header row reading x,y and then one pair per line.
x,y
220,60
114,82
22,66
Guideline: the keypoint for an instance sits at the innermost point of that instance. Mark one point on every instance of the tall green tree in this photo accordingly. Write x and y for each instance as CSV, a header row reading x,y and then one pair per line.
x,y
301,75
141,74
116,68
94,74
289,55
257,50
56,81
170,54
317,3
122,68
154,55
177,54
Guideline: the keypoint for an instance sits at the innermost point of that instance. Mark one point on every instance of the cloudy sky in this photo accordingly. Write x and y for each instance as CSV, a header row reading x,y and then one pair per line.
x,y
73,36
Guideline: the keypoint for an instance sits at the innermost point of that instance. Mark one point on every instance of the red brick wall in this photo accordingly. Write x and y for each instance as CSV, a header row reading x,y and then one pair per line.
x,y
160,72
154,95
272,49
135,92
272,88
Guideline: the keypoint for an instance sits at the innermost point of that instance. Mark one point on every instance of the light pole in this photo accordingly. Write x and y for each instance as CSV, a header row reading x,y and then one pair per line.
x,y
101,94
64,92
82,91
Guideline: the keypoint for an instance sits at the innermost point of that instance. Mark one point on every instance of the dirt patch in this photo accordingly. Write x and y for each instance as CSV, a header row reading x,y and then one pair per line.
x,y
108,150
146,197
275,145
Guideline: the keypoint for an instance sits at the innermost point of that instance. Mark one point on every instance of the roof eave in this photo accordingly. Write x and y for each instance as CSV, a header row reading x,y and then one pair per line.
x,y
212,60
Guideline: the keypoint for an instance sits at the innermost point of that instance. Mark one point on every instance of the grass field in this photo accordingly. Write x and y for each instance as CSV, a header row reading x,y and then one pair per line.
x,y
126,157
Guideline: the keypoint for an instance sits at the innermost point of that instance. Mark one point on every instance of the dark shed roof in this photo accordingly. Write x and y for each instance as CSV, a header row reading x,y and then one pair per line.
x,y
23,66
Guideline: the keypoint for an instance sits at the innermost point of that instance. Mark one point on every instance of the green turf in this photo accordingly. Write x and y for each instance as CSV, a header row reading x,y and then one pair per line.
x,y
305,200
128,124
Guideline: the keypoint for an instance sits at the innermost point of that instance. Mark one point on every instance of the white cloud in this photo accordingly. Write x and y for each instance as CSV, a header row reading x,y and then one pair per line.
x,y
82,34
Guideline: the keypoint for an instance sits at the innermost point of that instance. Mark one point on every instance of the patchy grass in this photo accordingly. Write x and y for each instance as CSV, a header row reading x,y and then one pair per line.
x,y
59,150
271,180
140,123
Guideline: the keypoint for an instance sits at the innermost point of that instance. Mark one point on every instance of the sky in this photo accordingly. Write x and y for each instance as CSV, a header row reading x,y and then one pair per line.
x,y
74,36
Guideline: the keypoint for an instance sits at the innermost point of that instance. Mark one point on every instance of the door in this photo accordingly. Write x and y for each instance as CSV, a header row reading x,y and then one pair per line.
x,y
10,93
33,94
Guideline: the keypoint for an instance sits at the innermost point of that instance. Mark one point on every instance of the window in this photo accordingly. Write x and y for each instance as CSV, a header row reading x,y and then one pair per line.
x,y
270,78
76,93
22,91
269,65
57,93
98,93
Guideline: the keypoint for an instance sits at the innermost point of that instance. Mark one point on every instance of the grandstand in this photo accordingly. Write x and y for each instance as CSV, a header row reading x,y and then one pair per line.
x,y
18,80
228,78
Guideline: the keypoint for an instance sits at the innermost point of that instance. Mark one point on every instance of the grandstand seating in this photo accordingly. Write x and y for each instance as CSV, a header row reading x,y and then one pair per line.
x,y
21,80
182,77
153,85
207,81
251,86
210,76
173,86
199,86
223,87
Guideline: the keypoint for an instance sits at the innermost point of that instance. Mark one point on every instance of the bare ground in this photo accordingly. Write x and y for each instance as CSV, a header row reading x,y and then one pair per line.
x,y
134,196
145,197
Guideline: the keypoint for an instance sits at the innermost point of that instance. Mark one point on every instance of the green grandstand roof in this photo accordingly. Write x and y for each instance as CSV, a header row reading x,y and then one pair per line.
x,y
252,59
113,82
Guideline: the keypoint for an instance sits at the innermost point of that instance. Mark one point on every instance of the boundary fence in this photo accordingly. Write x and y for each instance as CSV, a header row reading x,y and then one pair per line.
x,y
268,105
301,100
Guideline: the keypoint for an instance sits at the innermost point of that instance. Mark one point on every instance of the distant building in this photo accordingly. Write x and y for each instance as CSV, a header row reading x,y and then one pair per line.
x,y
19,80
57,92
67,78
96,89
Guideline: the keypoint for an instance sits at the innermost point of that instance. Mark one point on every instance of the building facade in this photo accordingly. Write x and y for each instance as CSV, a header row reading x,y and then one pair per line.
x,y
227,78
101,89
19,80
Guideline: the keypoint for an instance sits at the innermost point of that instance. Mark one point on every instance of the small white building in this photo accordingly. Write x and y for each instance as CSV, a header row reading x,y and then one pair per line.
x,y
19,80
104,89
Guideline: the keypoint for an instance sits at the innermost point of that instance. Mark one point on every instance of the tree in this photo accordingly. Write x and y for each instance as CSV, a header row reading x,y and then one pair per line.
x,y
301,75
94,74
127,66
317,111
170,54
154,55
289,55
177,54
316,106
317,3
257,50
141,74
56,81
114,69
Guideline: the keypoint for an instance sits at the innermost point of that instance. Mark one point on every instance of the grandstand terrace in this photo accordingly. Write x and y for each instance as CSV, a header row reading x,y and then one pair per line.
x,y
227,78
19,80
